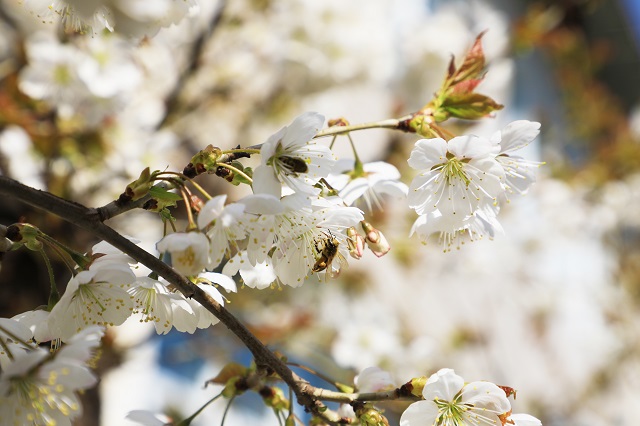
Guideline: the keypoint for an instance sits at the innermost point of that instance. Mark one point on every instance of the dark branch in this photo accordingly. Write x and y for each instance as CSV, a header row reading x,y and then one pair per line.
x,y
89,219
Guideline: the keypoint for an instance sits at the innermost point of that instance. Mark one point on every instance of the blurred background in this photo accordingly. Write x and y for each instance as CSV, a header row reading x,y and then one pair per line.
x,y
550,308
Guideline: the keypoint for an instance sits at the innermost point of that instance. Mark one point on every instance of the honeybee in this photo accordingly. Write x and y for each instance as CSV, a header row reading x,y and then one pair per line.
x,y
295,165
327,249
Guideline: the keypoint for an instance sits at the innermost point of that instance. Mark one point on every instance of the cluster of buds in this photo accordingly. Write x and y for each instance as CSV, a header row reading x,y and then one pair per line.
x,y
366,233
457,97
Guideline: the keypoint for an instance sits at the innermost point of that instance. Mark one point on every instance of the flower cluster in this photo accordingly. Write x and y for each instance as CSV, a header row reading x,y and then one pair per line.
x,y
107,293
38,387
268,237
462,182
449,401
134,18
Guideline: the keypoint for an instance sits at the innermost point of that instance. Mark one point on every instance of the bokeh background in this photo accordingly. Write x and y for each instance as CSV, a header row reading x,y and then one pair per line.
x,y
551,308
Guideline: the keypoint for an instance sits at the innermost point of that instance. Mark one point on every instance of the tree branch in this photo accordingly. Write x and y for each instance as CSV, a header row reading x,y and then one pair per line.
x,y
89,219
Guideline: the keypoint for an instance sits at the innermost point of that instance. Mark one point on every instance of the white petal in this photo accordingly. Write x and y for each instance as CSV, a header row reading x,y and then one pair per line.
x,y
518,134
427,153
303,128
266,182
469,146
222,280
486,395
262,204
421,413
525,420
444,384
211,210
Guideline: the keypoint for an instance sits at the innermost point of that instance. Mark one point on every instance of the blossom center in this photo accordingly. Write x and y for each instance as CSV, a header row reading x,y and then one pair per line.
x,y
454,169
450,413
187,257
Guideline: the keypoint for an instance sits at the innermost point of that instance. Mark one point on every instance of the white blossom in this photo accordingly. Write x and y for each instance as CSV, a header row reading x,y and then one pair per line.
x,y
189,251
156,304
367,188
224,225
455,177
38,323
374,379
305,237
448,401
520,173
38,388
13,334
293,158
134,18
260,276
97,296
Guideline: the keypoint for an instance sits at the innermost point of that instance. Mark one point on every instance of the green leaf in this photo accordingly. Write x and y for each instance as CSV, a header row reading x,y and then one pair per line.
x,y
238,178
469,106
161,194
473,63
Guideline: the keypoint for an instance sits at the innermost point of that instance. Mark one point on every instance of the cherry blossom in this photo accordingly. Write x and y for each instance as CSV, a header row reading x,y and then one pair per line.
x,y
189,251
448,401
291,157
39,388
455,177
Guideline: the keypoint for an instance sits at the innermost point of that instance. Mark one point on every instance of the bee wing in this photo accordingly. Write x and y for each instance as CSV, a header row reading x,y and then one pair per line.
x,y
342,263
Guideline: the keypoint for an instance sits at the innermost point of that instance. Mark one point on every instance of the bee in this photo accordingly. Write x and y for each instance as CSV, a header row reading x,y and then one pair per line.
x,y
327,249
295,165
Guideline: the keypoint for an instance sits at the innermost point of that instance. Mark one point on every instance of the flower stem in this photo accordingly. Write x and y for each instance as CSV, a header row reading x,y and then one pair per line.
x,y
236,170
191,181
188,420
54,296
393,123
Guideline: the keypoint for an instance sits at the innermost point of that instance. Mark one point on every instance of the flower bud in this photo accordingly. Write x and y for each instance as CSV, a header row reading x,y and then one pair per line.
x,y
375,239
370,416
340,121
416,385
274,397
139,187
203,162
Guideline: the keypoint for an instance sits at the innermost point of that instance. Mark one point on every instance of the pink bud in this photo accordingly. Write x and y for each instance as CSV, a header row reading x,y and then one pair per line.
x,y
375,240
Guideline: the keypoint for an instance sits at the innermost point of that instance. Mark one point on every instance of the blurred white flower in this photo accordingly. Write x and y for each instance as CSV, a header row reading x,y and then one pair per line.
x,y
134,18
149,418
12,334
108,69
368,187
293,158
52,73
374,379
189,251
40,389
37,321
448,401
